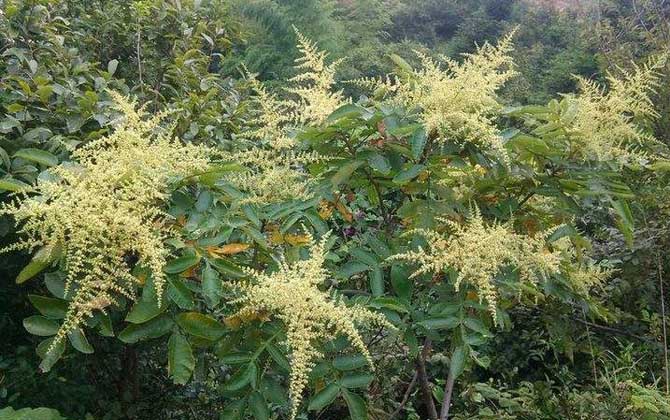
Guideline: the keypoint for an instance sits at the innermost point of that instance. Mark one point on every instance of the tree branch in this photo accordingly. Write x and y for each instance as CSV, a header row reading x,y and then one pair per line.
x,y
423,380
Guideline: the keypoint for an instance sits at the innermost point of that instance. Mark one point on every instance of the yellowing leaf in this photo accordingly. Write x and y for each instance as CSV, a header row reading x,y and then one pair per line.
x,y
228,249
344,212
233,322
325,209
295,240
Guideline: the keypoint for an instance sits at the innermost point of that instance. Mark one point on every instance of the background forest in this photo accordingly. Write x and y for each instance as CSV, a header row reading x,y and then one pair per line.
x,y
306,210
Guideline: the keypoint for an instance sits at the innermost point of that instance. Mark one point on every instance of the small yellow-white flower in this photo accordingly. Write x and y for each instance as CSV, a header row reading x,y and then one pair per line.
x,y
292,294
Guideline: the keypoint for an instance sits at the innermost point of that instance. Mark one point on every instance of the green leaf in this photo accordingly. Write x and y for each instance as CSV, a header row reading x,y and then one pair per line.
x,y
376,276
356,381
39,325
440,323
180,294
55,284
348,110
241,378
41,260
409,174
49,307
181,361
38,156
401,64
349,362
278,357
233,410
227,268
199,325
13,185
379,163
324,397
143,311
357,407
105,328
49,358
418,142
365,257
79,341
40,413
111,66
391,303
259,407
344,173
351,268
155,328
181,264
211,286
624,221
457,364
402,285
477,325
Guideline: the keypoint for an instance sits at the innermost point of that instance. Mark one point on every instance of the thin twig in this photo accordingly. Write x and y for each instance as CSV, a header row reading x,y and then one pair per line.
x,y
448,390
423,380
665,336
139,56
610,329
406,396
593,358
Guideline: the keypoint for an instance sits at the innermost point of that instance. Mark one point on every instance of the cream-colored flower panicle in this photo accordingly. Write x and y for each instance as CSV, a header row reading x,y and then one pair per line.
x,y
457,100
478,252
605,122
276,169
292,294
314,85
105,208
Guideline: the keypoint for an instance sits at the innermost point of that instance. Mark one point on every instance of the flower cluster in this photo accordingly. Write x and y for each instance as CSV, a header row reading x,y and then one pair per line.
x,y
478,252
276,169
104,208
292,294
605,122
313,85
459,101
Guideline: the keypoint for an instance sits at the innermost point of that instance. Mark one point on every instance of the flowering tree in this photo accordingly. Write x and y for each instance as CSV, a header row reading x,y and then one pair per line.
x,y
335,236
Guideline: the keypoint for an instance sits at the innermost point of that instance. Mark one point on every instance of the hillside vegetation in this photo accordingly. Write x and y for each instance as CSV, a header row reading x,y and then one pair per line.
x,y
365,209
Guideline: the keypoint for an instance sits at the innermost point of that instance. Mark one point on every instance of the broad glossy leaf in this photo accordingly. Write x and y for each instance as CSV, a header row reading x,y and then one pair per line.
x,y
181,264
211,286
41,326
447,323
154,328
49,307
376,277
79,341
241,378
143,311
356,381
13,185
349,362
181,361
408,174
358,410
258,406
40,261
457,364
38,156
200,325
49,358
324,397
344,173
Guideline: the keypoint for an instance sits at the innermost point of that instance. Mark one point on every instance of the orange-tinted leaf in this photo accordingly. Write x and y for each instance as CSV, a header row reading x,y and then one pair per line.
x,y
228,249
344,212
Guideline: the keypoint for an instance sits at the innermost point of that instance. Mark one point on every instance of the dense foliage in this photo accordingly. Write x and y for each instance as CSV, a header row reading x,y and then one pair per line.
x,y
319,209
